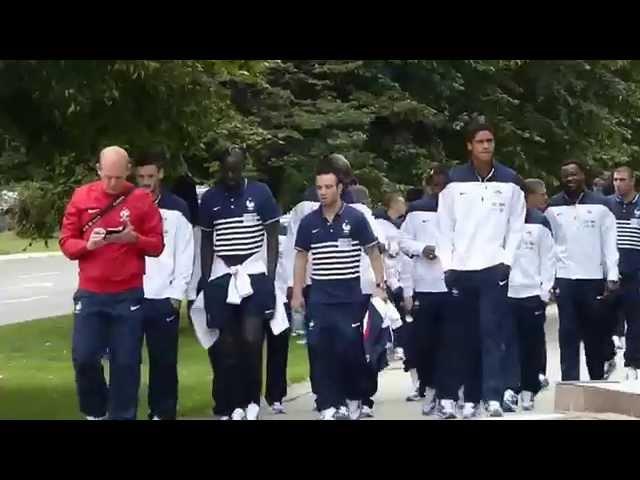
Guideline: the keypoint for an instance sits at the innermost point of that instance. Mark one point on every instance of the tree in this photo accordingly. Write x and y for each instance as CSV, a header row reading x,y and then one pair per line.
x,y
56,115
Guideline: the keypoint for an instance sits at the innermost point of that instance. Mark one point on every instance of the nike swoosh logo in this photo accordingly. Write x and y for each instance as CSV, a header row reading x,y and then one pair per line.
x,y
316,230
538,313
217,208
93,210
503,283
170,319
133,308
355,324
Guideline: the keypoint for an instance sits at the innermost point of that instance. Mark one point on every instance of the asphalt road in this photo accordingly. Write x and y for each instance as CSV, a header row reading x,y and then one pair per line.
x,y
35,288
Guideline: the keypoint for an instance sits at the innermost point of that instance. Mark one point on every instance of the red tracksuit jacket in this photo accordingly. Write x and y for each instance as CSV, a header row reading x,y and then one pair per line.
x,y
114,267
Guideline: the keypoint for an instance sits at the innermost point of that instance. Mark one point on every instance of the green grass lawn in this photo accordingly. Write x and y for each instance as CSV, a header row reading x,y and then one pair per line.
x,y
36,375
10,243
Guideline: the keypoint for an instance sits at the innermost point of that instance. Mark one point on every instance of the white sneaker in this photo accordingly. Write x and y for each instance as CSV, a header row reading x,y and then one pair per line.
x,y
342,413
398,354
494,409
469,410
328,414
447,409
429,406
527,400
89,417
253,411
355,407
617,342
238,414
631,375
609,367
278,408
366,412
544,381
414,396
509,401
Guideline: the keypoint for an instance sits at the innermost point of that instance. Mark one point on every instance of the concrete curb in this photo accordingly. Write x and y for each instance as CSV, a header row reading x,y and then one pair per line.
x,y
26,256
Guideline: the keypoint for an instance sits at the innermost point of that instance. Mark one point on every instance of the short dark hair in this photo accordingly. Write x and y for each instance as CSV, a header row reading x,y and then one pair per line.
x,y
436,172
341,166
575,162
326,168
233,151
150,157
477,125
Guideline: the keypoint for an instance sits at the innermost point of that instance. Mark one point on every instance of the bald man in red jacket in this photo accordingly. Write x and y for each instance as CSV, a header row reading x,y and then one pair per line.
x,y
110,226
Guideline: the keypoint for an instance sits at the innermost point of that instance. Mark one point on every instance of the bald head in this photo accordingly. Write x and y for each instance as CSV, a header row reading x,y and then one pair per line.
x,y
114,167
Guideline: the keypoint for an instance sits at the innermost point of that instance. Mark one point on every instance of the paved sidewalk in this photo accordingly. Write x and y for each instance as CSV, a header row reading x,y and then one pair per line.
x,y
394,386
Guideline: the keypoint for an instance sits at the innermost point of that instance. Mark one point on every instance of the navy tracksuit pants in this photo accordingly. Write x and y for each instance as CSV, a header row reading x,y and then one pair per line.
x,y
483,302
626,302
439,343
277,358
336,345
525,344
111,321
161,327
583,315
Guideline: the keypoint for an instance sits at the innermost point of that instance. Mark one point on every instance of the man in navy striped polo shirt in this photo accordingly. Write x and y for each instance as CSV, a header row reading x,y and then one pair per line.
x,y
335,235
236,216
625,205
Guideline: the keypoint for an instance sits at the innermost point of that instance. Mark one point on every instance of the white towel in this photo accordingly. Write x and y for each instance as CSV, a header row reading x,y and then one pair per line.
x,y
279,323
239,288
390,315
206,336
240,283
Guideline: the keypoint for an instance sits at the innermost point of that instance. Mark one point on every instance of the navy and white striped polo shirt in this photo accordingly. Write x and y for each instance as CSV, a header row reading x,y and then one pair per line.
x,y
628,228
335,249
237,218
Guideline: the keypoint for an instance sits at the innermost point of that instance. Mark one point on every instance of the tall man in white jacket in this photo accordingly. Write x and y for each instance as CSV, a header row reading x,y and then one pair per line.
x,y
165,285
584,230
480,221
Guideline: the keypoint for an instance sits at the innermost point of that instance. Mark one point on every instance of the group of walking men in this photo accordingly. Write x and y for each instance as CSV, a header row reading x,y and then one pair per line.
x,y
470,268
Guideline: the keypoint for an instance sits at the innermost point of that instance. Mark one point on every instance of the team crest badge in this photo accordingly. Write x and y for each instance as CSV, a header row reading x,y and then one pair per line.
x,y
251,206
636,212
346,228
125,214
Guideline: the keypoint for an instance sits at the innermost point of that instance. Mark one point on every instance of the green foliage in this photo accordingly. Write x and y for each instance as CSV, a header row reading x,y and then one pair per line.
x,y
393,119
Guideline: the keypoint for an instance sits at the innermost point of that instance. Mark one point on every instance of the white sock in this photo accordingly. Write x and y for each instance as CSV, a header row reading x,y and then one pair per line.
x,y
415,381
